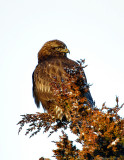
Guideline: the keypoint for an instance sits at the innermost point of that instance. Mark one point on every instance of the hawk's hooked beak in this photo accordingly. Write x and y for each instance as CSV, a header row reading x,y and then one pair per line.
x,y
65,50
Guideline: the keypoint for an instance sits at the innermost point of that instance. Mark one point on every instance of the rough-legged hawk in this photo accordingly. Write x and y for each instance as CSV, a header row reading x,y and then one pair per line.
x,y
53,64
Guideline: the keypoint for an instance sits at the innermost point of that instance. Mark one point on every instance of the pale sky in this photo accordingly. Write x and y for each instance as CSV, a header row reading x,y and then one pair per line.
x,y
92,30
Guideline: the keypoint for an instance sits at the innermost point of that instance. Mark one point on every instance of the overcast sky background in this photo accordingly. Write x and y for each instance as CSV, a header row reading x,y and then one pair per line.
x,y
92,29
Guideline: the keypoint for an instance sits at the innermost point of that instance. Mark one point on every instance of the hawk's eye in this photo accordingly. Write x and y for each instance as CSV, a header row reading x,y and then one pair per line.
x,y
58,48
55,47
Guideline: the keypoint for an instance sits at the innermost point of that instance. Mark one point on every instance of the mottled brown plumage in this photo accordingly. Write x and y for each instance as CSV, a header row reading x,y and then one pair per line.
x,y
52,61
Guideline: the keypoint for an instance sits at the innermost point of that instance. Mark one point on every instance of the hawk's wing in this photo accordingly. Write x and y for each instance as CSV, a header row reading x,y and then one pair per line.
x,y
44,74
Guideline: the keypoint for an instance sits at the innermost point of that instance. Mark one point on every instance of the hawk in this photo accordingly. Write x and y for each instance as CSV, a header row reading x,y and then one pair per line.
x,y
52,61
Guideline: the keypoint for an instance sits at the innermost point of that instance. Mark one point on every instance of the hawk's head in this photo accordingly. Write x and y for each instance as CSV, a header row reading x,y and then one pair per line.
x,y
52,48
